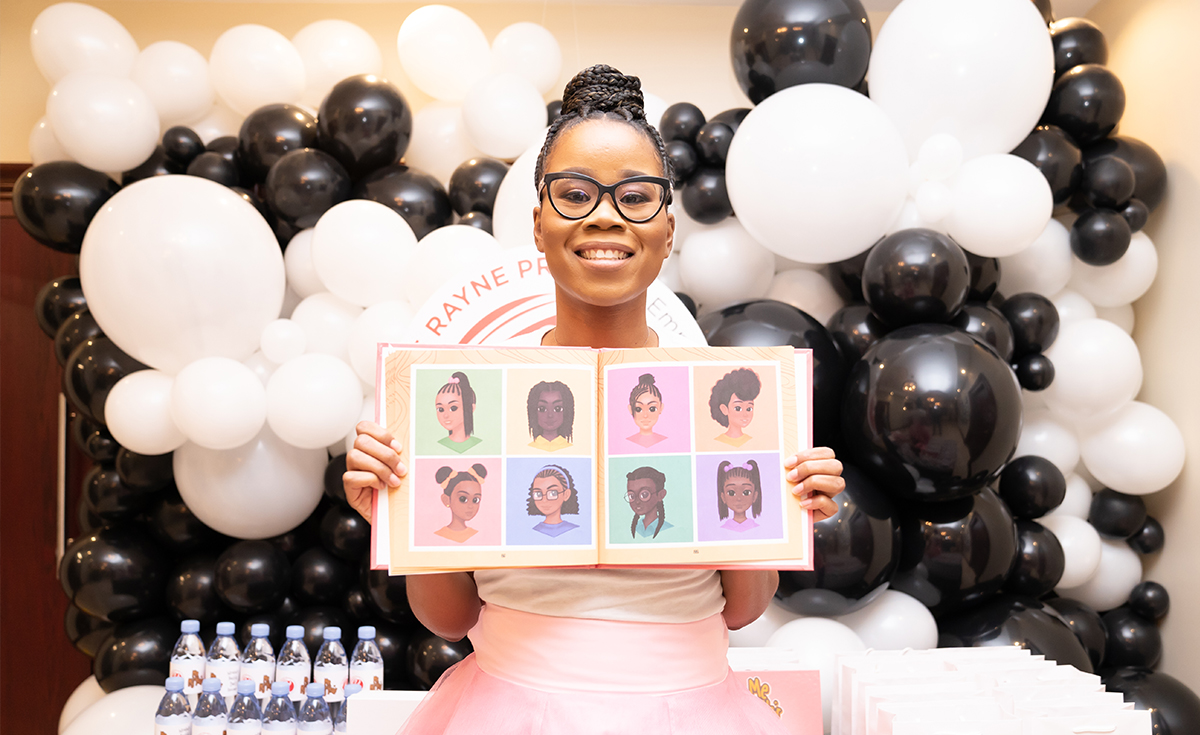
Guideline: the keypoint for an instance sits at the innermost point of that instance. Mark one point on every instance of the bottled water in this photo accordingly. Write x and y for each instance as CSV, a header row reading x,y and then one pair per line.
x,y
331,669
293,665
211,716
339,720
224,660
279,716
258,661
174,715
187,659
244,715
314,713
366,663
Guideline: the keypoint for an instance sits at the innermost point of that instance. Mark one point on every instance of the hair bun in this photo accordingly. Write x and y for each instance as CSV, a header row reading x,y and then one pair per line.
x,y
646,379
601,88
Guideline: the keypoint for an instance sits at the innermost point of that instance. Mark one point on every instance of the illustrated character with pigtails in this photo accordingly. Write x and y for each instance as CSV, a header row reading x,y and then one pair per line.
x,y
739,495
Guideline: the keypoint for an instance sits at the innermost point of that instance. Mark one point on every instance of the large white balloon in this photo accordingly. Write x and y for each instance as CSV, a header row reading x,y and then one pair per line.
x,y
980,71
512,212
723,264
331,51
298,264
313,400
128,710
70,37
1044,436
808,291
87,693
386,322
894,621
253,65
1077,501
1136,450
531,51
1044,267
137,412
176,268
1122,282
1001,205
439,142
822,155
106,123
283,340
326,321
362,251
504,115
1119,571
440,255
258,490
1071,306
818,642
43,144
1097,369
1081,547
442,51
218,403
175,77
756,634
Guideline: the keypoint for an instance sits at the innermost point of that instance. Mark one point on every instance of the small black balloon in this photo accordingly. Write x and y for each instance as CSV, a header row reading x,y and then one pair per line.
x,y
712,142
57,300
1032,487
55,202
732,117
1132,639
846,277
985,323
688,302
333,478
74,331
86,632
109,497
158,164
1034,372
1077,41
1016,620
683,160
429,656
1034,322
136,653
1087,101
304,184
681,121
355,605
172,523
116,573
415,195
387,594
314,620
215,167
93,439
1116,514
1150,600
478,220
1174,708
365,123
1059,159
705,196
148,471
319,578
1044,8
1136,214
91,372
393,640
345,533
1149,171
985,276
1148,539
553,111
1087,626
1040,561
1107,182
227,146
916,276
270,132
855,330
474,184
192,592
277,633
252,576
182,144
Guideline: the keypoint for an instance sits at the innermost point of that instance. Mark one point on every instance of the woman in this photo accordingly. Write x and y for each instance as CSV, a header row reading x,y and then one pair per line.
x,y
645,406
645,489
602,223
455,406
732,404
552,494
551,408
739,491
462,492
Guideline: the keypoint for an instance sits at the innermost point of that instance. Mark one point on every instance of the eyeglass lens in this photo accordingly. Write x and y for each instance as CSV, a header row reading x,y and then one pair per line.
x,y
549,495
636,200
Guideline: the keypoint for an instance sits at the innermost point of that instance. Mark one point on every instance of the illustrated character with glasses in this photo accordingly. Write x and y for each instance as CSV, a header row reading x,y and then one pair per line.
x,y
455,404
551,408
551,495
732,404
739,492
645,489
462,492
646,406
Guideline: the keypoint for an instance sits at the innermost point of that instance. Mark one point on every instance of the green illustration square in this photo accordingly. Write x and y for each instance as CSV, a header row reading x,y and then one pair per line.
x,y
676,503
432,438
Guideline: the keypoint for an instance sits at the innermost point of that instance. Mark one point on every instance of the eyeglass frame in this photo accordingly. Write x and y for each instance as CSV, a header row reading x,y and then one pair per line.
x,y
546,494
630,495
611,190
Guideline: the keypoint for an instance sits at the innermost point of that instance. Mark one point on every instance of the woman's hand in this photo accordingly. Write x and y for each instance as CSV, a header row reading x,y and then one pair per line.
x,y
373,464
819,478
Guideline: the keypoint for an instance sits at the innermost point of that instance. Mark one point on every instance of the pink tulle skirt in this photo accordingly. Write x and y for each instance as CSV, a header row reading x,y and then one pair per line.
x,y
538,675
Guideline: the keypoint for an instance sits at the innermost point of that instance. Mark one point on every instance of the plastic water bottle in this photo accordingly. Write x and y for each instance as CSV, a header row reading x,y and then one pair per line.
x,y
187,659
293,665
279,716
244,715
331,669
211,716
314,713
339,720
258,661
224,660
174,715
366,663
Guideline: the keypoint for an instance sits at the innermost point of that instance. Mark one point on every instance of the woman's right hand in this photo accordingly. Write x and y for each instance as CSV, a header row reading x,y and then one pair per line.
x,y
373,464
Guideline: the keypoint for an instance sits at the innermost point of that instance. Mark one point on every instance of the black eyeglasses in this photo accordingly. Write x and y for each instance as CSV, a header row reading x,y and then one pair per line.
x,y
574,196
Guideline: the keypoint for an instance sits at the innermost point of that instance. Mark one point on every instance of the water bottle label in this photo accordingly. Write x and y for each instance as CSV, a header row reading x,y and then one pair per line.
x,y
209,725
173,724
280,728
333,678
297,677
253,727
323,728
369,676
227,672
191,668
260,673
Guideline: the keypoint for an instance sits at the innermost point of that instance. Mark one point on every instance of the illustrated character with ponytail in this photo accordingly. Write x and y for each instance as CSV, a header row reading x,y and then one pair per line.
x,y
645,489
552,494
455,404
732,404
739,492
461,493
646,406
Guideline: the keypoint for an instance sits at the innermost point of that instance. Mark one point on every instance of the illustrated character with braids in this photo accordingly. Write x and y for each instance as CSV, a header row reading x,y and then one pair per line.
x,y
739,492
551,407
646,406
732,404
645,489
461,493
455,404
552,494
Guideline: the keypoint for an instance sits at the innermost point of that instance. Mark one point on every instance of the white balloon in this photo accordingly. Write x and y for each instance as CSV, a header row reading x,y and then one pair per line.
x,y
1097,369
894,621
1078,500
258,490
934,201
1136,450
1043,436
176,79
909,218
940,156
442,254
980,71
43,144
755,634
87,693
386,322
326,321
298,264
262,368
313,400
366,414
1043,268
106,123
220,122
531,51
818,642
512,212
1080,544
442,51
808,291
72,37
504,115
1072,306
362,251
787,264
822,155
723,264
176,268
1122,316
1119,571
291,300
669,274
283,340
137,412
331,51
654,106
439,142
253,65
1122,282
128,710
218,403
1001,205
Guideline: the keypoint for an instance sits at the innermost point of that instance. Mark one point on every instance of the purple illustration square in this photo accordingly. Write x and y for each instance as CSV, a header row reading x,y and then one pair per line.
x,y
526,527
762,523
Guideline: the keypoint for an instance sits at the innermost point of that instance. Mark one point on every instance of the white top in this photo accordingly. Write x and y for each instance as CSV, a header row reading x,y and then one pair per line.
x,y
638,595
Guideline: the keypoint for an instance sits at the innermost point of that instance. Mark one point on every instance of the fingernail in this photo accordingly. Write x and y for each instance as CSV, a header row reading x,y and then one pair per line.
x,y
394,481
793,476
401,470
806,503
396,446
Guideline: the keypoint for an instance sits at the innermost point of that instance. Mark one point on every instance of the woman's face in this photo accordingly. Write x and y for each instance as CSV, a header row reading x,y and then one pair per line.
x,y
739,494
449,410
543,489
464,500
550,411
740,412
643,495
646,411
608,151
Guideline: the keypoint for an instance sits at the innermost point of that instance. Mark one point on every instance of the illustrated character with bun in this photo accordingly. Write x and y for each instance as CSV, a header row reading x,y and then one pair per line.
x,y
646,406
455,404
461,493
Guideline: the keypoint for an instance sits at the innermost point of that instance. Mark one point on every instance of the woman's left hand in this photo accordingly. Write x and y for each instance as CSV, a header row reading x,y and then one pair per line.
x,y
818,475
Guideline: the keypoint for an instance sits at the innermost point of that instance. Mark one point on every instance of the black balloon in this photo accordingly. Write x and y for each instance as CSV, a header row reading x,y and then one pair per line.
x,y
278,631
192,592
319,578
681,121
1149,539
916,276
478,220
777,44
136,653
182,144
553,111
705,196
1107,182
418,197
93,439
1149,171
855,553
91,372
1174,708
74,331
732,117
86,632
1040,561
303,185
365,123
1136,213
1150,600
987,324
1044,8
712,142
55,202
333,478
174,525
252,576
216,167
88,521
1014,620
270,132
393,646
683,161
356,606
56,301
149,471
227,146
985,276
116,573
1132,639
1032,486
1087,102
429,656
1034,372
688,302
1087,626
474,184
855,330
387,594
1059,159
1116,514
314,620
846,277
1034,322
1077,41
158,164
110,498
345,533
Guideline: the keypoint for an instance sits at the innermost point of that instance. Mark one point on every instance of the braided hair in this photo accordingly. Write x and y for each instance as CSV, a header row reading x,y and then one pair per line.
x,y
728,469
459,385
645,384
568,398
570,506
601,92
660,483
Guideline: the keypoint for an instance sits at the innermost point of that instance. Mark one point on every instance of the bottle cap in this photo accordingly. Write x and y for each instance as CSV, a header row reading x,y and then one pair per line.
x,y
316,690
332,633
225,628
295,631
351,689
260,630
174,683
212,684
189,626
366,632
246,686
280,689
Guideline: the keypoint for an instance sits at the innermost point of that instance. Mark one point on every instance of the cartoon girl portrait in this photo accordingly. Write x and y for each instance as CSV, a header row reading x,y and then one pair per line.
x,y
646,407
455,404
739,494
552,494
645,489
461,493
732,404
551,407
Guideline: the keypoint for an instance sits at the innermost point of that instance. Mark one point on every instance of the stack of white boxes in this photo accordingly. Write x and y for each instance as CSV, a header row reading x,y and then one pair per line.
x,y
1002,690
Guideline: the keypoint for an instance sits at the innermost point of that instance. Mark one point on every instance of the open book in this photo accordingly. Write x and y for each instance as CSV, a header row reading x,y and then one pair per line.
x,y
563,457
